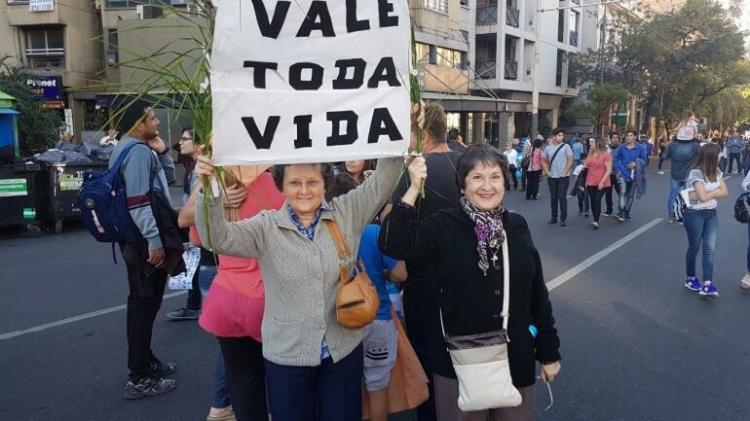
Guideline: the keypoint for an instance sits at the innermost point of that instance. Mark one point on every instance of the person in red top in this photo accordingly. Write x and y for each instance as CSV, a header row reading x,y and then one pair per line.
x,y
599,165
233,308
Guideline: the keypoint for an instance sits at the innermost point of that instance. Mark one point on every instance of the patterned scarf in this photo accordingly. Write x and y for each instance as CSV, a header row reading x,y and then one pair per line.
x,y
488,227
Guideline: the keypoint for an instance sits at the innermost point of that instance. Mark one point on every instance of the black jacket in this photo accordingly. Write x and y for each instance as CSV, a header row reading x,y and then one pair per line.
x,y
471,302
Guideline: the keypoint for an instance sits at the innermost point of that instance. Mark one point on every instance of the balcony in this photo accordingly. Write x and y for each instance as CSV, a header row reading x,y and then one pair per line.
x,y
486,69
487,15
49,58
574,38
511,17
511,69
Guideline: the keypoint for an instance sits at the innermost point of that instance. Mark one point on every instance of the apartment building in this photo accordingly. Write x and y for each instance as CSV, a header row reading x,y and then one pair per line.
x,y
58,41
510,34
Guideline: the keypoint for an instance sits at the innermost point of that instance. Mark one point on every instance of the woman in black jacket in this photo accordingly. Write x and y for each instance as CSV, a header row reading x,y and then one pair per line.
x,y
465,245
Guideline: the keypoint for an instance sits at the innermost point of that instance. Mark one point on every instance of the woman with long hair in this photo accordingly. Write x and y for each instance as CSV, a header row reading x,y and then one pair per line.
x,y
599,165
705,184
534,170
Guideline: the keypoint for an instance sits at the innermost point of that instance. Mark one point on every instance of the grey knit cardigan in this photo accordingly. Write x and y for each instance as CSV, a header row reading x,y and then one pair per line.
x,y
300,275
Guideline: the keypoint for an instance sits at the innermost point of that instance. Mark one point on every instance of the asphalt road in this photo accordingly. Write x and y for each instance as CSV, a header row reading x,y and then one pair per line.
x,y
636,345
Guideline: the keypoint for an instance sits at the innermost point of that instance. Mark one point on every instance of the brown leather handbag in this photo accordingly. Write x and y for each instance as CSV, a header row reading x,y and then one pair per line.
x,y
357,300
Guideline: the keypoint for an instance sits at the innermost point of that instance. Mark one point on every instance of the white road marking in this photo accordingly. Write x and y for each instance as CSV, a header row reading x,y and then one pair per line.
x,y
56,323
575,270
563,278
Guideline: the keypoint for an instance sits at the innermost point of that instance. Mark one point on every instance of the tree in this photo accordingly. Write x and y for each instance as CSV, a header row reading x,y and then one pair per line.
x,y
671,61
37,126
599,100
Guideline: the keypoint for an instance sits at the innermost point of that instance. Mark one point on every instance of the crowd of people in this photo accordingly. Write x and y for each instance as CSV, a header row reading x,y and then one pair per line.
x,y
433,239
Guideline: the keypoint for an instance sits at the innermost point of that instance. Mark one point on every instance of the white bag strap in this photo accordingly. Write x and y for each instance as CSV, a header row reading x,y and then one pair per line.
x,y
505,313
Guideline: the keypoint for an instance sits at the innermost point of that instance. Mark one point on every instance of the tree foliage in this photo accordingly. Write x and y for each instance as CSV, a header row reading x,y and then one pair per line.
x,y
37,127
670,61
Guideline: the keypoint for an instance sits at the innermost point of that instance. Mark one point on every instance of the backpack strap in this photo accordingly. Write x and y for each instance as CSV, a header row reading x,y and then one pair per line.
x,y
124,154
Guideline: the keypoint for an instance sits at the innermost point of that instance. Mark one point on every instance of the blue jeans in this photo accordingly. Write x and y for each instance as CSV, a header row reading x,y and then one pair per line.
x,y
627,194
220,399
674,188
701,227
748,248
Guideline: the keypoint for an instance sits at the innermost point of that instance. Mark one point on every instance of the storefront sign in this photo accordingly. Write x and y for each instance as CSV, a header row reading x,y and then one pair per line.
x,y
13,187
45,87
41,5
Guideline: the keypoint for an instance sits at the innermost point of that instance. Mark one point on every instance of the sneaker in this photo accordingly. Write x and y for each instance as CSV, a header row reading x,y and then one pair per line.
x,y
595,225
161,369
563,223
148,386
660,172
184,314
745,282
628,218
671,221
693,284
620,217
709,290
607,214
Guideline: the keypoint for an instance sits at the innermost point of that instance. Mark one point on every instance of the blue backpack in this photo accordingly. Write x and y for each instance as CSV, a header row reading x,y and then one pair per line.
x,y
103,202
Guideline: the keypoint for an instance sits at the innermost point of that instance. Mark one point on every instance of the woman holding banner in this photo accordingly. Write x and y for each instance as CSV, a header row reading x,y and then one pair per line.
x,y
465,243
313,364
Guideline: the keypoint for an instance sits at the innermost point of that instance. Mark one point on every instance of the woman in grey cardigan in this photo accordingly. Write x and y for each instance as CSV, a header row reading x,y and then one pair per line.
x,y
313,364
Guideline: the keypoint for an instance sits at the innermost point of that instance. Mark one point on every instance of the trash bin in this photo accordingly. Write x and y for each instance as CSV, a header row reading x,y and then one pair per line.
x,y
17,193
57,190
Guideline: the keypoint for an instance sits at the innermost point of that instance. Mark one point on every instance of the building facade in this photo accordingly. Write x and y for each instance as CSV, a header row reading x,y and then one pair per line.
x,y
59,42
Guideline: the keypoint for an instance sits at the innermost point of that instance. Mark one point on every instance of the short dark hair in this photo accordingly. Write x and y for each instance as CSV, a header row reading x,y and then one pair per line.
x,y
343,183
434,122
557,132
133,114
189,129
453,133
475,154
635,133
326,171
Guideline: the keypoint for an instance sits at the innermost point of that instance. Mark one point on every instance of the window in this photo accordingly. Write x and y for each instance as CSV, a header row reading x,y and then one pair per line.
x,y
574,17
131,4
559,69
113,54
561,25
465,3
423,52
447,57
45,48
437,5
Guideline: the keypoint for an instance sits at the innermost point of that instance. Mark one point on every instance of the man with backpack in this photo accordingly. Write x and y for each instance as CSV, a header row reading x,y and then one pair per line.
x,y
144,252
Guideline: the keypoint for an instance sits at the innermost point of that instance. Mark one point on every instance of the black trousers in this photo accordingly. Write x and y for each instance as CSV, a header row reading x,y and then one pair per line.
x,y
246,377
532,183
420,333
595,199
146,290
512,170
558,190
194,297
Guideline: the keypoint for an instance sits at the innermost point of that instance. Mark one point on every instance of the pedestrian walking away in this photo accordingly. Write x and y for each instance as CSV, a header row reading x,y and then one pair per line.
x,y
313,364
614,143
449,240
557,164
629,163
154,251
704,185
512,156
683,155
599,165
532,162
735,148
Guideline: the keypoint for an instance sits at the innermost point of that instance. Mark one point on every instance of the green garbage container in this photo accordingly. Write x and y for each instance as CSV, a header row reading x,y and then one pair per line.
x,y
17,201
57,191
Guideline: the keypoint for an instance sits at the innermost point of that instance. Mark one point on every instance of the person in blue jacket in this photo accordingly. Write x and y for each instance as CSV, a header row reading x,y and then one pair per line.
x,y
629,162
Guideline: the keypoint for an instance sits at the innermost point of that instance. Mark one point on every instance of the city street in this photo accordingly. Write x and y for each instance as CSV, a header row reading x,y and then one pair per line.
x,y
636,344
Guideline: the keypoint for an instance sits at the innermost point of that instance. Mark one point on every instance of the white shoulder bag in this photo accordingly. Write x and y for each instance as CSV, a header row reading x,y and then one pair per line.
x,y
481,360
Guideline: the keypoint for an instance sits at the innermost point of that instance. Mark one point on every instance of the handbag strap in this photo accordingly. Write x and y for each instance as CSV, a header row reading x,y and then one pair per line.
x,y
505,312
341,248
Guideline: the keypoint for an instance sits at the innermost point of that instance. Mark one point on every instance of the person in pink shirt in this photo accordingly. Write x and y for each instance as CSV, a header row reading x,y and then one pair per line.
x,y
599,165
534,170
233,308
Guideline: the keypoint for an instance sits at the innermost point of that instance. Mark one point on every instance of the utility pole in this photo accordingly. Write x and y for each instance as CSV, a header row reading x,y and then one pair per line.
x,y
535,75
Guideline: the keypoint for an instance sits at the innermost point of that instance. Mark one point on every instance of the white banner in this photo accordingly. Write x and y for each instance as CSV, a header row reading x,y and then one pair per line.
x,y
41,5
310,81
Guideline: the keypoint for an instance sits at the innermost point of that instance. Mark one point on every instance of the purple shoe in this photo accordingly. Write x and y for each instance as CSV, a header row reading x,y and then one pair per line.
x,y
693,284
